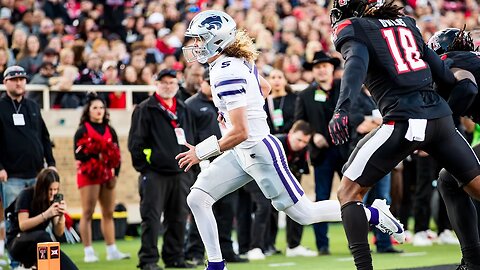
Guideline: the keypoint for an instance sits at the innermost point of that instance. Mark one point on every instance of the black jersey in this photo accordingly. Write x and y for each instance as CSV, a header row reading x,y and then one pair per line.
x,y
399,73
469,61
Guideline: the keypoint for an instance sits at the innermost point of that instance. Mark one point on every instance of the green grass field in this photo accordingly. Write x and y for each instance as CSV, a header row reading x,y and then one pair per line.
x,y
340,258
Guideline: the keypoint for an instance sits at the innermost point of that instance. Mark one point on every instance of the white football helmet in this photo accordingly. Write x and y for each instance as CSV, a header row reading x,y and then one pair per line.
x,y
212,32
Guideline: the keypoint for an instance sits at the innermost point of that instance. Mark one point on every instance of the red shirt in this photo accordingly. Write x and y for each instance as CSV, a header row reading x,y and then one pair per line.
x,y
172,109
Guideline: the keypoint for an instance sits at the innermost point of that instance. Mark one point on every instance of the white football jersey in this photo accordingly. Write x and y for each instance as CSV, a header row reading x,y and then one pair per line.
x,y
235,84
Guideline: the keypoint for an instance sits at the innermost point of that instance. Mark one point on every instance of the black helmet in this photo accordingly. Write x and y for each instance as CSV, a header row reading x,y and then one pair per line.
x,y
343,9
441,42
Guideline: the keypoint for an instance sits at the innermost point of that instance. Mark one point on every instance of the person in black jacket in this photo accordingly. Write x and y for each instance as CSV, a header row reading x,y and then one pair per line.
x,y
24,138
315,105
161,125
205,115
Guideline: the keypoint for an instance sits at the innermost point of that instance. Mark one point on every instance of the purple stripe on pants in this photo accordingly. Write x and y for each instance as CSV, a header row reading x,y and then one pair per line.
x,y
285,166
279,172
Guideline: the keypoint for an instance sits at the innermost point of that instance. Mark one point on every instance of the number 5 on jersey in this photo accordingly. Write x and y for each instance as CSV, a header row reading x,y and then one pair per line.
x,y
409,46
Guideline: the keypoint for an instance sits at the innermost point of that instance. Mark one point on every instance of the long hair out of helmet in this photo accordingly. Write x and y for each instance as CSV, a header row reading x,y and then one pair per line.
x,y
451,39
463,42
343,9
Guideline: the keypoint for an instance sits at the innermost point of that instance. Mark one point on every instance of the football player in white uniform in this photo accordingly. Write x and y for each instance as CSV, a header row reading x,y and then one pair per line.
x,y
249,151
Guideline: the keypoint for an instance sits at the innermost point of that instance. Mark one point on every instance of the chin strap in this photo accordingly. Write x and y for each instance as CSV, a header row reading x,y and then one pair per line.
x,y
208,148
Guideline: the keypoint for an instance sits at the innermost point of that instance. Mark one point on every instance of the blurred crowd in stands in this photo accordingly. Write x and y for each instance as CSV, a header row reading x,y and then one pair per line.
x,y
112,42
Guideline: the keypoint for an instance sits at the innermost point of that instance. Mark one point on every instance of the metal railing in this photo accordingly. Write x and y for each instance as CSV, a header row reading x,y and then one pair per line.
x,y
128,89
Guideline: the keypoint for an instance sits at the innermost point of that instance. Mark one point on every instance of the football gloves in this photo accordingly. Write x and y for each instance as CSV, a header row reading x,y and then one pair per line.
x,y
338,127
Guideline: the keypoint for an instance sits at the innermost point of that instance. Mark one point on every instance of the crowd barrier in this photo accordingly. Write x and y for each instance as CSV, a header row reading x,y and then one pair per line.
x,y
128,89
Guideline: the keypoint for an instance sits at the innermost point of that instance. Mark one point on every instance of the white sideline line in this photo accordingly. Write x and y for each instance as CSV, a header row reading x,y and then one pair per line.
x,y
346,259
413,254
281,264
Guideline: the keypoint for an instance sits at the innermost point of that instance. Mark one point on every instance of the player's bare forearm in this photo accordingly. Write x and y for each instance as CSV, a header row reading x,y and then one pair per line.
x,y
232,139
239,131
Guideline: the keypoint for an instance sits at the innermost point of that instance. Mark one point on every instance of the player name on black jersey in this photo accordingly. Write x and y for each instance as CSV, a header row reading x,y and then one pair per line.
x,y
389,23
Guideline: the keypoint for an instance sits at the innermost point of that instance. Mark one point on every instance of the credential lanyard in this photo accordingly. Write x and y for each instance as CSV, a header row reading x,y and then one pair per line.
x,y
15,107
173,116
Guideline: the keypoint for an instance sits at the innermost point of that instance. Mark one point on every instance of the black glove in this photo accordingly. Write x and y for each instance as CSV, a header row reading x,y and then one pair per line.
x,y
338,127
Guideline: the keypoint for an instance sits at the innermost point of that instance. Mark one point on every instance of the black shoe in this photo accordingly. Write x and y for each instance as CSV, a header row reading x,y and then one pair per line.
x,y
150,266
179,264
235,259
389,250
271,250
323,251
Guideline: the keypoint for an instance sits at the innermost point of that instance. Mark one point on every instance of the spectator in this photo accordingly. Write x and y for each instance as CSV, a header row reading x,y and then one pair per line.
x,y
280,105
30,57
315,105
4,45
92,73
3,61
45,32
160,126
146,76
46,71
116,99
27,23
153,54
97,183
56,9
34,210
63,83
18,170
193,81
5,24
19,39
50,55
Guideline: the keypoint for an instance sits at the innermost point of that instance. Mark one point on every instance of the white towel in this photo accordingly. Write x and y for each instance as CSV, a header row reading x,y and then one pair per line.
x,y
416,130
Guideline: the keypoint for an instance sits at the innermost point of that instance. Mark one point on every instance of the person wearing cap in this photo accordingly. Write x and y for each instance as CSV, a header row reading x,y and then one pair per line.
x,y
45,72
21,121
161,126
315,105
205,115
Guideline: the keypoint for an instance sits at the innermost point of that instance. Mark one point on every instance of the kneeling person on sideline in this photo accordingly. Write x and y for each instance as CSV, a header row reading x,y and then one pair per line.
x,y
30,214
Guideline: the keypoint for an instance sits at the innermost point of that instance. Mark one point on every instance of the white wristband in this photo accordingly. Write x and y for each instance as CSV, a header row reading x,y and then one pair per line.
x,y
208,148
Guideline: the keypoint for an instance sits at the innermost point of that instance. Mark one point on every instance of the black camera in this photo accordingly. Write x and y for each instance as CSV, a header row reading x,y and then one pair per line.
x,y
58,197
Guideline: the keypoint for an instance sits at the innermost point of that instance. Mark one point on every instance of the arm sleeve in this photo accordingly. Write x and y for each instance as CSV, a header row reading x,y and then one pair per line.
x,y
462,96
356,115
137,139
115,140
47,144
440,72
356,64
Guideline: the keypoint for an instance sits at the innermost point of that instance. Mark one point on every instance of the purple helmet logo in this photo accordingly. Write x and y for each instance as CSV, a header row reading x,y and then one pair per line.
x,y
212,22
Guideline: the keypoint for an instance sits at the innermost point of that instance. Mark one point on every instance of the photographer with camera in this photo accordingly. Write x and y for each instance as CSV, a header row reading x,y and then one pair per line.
x,y
31,213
